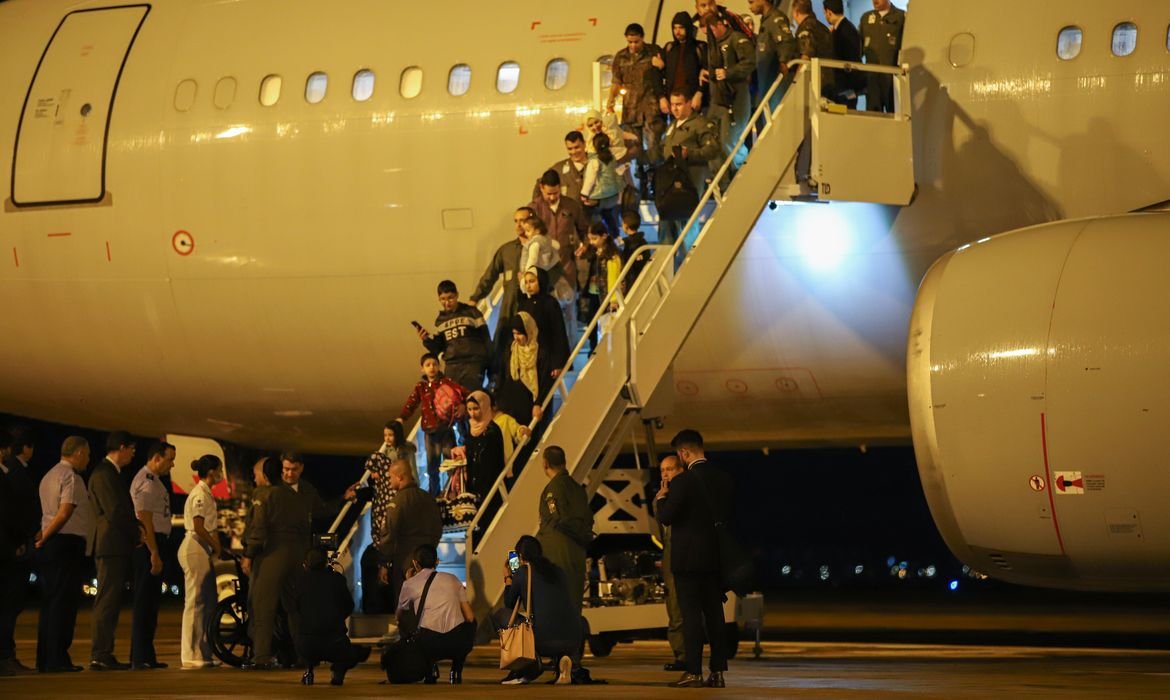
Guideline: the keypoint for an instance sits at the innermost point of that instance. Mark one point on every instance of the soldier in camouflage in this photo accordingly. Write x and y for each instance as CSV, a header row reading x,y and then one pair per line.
x,y
813,40
638,80
775,47
731,59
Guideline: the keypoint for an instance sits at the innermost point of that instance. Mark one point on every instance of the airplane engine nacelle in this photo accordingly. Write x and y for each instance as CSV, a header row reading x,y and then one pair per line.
x,y
1039,388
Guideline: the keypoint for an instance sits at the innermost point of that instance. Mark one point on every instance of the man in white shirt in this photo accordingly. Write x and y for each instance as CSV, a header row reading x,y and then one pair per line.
x,y
66,524
152,504
446,628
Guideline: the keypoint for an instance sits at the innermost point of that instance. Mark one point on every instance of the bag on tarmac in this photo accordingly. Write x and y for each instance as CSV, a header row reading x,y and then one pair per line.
x,y
675,195
404,661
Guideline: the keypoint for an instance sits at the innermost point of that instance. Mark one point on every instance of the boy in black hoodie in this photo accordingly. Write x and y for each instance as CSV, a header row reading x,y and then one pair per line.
x,y
461,337
635,239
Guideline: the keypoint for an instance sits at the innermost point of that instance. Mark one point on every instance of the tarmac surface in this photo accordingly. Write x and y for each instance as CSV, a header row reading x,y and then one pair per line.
x,y
1002,660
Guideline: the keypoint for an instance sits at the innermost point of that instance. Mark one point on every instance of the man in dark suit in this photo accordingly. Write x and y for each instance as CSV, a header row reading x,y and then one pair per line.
x,y
115,539
21,513
691,504
846,47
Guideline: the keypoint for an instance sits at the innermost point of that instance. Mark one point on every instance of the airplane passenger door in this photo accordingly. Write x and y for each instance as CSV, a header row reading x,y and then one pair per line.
x,y
61,141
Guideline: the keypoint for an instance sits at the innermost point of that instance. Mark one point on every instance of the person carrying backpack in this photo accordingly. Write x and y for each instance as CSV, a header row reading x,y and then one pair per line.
x,y
690,149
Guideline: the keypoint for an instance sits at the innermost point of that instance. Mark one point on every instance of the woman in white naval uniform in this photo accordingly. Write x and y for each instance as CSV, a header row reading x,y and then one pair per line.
x,y
197,554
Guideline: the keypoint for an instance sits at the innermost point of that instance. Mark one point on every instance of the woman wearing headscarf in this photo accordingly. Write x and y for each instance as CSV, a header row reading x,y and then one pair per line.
x,y
484,446
537,301
527,373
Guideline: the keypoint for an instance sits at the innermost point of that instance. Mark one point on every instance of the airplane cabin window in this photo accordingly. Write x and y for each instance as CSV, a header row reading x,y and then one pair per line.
x,y
411,83
363,85
185,95
315,87
459,79
508,77
225,93
270,90
556,74
1124,39
1068,43
606,64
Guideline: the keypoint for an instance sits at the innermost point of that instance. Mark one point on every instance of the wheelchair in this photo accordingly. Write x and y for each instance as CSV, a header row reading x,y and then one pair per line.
x,y
228,632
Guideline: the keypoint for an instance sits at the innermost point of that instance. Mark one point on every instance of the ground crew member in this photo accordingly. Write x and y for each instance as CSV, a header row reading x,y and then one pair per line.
x,y
775,47
152,504
566,529
636,76
731,58
412,520
881,41
813,40
292,469
274,547
694,140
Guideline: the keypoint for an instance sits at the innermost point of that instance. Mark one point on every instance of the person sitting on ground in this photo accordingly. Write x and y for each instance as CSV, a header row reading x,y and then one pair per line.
x,y
461,338
441,401
446,629
322,601
556,624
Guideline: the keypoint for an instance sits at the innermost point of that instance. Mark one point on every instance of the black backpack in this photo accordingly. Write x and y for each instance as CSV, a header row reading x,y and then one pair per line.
x,y
675,195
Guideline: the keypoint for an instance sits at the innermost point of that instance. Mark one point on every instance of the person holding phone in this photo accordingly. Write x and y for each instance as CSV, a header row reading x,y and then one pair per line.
x,y
558,634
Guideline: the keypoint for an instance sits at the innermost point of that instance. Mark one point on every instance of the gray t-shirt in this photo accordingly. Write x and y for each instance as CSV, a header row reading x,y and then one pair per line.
x,y
444,611
62,485
149,494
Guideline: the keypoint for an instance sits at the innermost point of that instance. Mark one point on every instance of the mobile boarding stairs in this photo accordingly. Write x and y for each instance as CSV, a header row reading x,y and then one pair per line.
x,y
628,381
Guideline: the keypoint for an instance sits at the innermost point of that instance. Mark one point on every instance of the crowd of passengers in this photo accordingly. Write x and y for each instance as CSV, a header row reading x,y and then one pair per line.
x,y
481,401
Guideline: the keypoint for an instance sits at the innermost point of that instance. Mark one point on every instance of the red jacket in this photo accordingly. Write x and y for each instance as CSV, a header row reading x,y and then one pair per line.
x,y
424,394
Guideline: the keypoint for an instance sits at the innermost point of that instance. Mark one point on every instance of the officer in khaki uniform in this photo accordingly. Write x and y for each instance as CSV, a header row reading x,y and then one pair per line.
x,y
881,41
412,520
275,543
814,40
566,523
694,139
775,47
731,59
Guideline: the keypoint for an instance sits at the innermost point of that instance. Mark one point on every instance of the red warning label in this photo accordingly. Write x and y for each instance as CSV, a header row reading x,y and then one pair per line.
x,y
1069,483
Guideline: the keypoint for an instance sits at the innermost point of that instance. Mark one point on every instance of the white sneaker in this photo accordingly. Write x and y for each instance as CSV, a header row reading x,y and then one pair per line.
x,y
518,680
564,671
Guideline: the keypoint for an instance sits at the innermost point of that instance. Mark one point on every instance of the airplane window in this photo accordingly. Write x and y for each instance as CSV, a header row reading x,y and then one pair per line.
x,y
185,95
606,63
508,77
270,90
411,83
459,79
363,85
1068,43
315,87
556,74
1124,39
225,93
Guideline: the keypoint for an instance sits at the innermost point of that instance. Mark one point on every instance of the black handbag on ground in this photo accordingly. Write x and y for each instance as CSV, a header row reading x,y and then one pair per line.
x,y
404,661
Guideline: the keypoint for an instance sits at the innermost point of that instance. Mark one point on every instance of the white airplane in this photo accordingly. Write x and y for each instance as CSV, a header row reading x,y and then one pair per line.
x,y
223,217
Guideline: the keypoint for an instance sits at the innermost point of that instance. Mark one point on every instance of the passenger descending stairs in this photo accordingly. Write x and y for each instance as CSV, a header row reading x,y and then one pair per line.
x,y
655,318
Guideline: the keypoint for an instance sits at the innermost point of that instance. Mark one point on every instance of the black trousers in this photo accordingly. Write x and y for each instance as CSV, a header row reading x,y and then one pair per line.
x,y
454,645
147,595
13,589
112,575
338,651
376,596
59,561
701,599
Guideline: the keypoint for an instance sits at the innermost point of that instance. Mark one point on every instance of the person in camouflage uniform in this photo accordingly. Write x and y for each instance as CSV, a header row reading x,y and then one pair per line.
x,y
775,47
813,40
637,77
